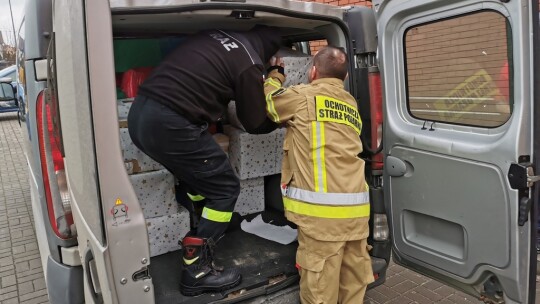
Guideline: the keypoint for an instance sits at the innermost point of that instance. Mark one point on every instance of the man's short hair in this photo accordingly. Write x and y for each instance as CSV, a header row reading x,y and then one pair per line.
x,y
331,62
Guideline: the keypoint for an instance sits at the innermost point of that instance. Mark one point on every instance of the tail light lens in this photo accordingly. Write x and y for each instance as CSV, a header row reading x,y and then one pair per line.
x,y
52,167
375,91
380,227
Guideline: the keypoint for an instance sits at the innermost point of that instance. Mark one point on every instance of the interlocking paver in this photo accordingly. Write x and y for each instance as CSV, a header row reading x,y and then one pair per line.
x,y
30,277
25,288
39,300
20,265
8,295
429,294
32,295
8,280
11,301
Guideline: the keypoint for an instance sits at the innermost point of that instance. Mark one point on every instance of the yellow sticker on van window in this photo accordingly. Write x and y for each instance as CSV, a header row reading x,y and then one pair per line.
x,y
334,110
472,96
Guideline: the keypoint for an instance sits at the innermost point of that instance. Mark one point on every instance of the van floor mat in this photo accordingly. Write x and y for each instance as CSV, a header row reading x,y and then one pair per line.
x,y
266,267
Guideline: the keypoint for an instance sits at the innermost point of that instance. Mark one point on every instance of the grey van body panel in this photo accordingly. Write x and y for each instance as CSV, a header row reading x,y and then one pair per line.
x,y
44,232
64,283
75,114
363,28
534,218
31,146
38,28
127,240
453,213
79,147
37,45
296,6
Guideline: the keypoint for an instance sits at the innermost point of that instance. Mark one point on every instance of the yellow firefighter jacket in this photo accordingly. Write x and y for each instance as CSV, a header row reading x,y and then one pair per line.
x,y
323,183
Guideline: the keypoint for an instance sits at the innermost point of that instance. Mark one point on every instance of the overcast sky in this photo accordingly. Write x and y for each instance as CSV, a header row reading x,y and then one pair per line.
x,y
5,17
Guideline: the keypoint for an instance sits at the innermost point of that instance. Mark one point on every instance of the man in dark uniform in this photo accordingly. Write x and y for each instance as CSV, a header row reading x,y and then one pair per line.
x,y
169,120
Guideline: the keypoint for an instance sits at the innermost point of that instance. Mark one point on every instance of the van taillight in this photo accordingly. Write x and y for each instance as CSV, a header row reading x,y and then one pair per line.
x,y
52,167
375,92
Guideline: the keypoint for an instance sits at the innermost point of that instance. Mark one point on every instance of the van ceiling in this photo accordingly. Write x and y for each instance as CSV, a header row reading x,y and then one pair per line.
x,y
194,21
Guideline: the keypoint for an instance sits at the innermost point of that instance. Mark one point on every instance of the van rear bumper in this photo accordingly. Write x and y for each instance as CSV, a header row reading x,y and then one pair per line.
x,y
64,283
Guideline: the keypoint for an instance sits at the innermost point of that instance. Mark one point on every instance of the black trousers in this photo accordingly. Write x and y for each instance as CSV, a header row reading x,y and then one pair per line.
x,y
190,153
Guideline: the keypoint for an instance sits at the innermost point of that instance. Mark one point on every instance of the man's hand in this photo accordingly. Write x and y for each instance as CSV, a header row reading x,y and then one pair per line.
x,y
276,61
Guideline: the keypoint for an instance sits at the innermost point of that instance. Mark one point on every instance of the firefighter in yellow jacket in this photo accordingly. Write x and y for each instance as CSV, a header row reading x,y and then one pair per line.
x,y
323,181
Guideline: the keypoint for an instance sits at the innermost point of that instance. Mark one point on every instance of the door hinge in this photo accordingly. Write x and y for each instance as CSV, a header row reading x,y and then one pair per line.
x,y
521,177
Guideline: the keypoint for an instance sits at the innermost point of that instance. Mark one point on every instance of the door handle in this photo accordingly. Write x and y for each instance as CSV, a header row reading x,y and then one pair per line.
x,y
92,278
395,167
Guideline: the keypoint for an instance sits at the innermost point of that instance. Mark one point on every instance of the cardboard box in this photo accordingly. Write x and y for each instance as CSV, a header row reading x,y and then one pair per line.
x,y
251,198
135,160
155,191
297,70
165,232
296,65
251,155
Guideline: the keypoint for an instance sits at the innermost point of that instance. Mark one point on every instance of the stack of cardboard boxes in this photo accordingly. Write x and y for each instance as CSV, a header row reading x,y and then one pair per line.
x,y
167,222
252,157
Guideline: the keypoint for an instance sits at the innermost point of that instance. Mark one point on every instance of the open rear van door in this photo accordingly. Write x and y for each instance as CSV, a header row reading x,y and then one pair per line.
x,y
460,123
112,241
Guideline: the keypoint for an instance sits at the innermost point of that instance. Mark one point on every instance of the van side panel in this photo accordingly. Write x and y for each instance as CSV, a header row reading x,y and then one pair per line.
x,y
127,240
67,283
75,113
37,16
80,159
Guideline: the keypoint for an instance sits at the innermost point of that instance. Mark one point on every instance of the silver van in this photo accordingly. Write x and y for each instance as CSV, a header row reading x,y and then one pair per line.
x,y
447,91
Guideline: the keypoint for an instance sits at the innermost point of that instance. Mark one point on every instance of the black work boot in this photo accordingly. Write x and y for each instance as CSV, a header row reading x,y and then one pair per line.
x,y
200,275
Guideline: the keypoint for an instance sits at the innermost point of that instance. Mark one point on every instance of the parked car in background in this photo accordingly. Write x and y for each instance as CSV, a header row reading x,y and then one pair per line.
x,y
9,105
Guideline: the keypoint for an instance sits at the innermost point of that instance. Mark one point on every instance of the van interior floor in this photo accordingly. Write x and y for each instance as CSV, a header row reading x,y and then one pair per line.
x,y
266,266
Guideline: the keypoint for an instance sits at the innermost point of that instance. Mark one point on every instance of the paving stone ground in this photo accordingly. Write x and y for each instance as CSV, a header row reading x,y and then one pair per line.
x,y
21,275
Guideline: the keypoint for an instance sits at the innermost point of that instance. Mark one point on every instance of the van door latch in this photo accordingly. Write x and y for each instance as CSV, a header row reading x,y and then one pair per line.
x,y
142,274
521,176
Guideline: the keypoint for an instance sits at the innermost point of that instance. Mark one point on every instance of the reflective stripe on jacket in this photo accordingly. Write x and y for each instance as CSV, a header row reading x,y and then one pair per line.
x,y
323,183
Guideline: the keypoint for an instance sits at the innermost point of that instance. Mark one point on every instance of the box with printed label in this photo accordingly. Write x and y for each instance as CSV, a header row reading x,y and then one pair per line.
x,y
164,232
155,191
251,198
251,155
135,160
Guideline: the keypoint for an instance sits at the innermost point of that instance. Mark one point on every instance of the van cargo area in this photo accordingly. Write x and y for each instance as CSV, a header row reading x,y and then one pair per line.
x,y
141,41
266,266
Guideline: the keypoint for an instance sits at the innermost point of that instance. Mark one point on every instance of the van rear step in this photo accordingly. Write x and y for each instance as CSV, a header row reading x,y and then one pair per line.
x,y
266,267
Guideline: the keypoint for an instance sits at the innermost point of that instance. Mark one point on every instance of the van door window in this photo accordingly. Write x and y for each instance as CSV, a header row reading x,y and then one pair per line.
x,y
459,70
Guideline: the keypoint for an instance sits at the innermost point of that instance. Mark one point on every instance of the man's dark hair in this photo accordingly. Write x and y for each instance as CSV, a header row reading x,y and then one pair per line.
x,y
331,62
